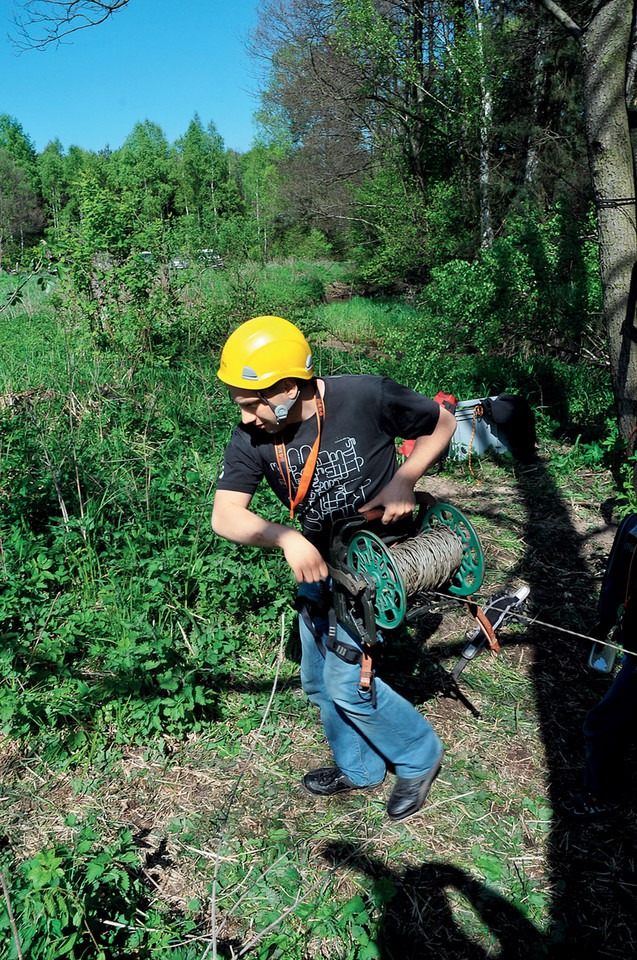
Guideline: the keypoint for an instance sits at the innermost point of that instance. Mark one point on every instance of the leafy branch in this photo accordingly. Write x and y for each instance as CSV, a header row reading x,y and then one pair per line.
x,y
15,295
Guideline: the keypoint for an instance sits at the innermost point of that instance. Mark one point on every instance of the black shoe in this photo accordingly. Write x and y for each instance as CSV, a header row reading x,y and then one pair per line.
x,y
328,781
588,806
408,795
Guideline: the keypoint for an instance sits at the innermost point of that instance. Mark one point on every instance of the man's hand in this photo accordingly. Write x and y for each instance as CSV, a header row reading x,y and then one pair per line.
x,y
232,519
306,562
397,499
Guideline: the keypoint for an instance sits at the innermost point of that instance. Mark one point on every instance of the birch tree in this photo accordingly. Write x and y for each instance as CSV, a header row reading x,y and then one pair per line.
x,y
486,111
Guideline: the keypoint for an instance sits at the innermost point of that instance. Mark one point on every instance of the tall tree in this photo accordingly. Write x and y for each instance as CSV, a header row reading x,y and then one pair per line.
x,y
312,99
19,147
21,216
144,166
261,188
606,38
53,182
202,174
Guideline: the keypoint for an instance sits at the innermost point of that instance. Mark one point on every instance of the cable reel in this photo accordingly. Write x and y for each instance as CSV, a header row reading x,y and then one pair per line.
x,y
444,555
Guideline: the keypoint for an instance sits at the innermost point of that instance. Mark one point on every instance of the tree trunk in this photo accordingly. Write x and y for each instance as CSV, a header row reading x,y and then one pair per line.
x,y
604,56
213,198
604,44
538,97
486,109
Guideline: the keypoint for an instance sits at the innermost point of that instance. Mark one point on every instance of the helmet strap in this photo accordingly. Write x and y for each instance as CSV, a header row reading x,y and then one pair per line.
x,y
281,410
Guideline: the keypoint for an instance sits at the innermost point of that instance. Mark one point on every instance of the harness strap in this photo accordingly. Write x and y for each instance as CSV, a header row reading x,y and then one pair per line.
x,y
485,624
343,651
366,682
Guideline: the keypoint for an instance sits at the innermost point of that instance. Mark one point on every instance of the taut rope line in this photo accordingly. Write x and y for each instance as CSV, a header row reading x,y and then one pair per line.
x,y
530,621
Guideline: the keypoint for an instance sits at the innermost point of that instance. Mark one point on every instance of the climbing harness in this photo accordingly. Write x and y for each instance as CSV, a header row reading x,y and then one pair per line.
x,y
309,610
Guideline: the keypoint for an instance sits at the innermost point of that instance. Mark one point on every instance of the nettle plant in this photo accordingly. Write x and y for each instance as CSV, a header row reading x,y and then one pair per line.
x,y
86,898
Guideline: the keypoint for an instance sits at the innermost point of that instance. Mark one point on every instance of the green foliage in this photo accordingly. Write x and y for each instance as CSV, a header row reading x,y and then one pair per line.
x,y
19,147
21,218
87,899
117,511
534,285
143,168
305,245
204,194
400,234
517,318
126,301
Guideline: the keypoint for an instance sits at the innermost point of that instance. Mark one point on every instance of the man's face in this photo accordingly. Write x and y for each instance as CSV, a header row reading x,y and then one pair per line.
x,y
255,412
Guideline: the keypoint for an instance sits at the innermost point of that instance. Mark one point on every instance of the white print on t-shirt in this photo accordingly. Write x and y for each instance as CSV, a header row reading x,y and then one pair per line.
x,y
337,486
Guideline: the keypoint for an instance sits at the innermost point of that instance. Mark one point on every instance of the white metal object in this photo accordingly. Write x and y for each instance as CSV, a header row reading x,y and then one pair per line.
x,y
475,433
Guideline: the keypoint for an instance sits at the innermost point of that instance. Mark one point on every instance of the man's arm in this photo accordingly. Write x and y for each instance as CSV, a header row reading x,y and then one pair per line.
x,y
232,519
397,497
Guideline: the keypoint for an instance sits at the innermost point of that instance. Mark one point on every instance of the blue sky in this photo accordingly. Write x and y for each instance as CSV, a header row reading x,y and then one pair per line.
x,y
161,60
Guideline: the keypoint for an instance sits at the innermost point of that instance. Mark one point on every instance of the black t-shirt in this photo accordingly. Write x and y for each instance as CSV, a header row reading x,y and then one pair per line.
x,y
357,454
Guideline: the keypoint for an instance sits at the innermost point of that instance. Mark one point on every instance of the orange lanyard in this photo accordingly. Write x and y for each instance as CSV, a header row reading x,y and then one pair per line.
x,y
310,464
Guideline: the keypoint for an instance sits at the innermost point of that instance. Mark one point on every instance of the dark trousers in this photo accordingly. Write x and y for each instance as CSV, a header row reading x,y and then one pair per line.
x,y
609,729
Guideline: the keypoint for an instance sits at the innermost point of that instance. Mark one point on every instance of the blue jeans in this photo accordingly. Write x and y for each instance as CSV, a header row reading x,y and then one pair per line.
x,y
609,729
363,737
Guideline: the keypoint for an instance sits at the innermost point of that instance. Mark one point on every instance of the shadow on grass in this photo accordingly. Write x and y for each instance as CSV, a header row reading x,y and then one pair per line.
x,y
592,868
418,920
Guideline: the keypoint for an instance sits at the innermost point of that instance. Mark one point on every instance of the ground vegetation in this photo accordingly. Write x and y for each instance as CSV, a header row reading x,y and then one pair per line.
x,y
154,731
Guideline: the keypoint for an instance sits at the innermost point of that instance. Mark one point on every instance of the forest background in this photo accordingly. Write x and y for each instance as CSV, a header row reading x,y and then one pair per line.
x,y
420,201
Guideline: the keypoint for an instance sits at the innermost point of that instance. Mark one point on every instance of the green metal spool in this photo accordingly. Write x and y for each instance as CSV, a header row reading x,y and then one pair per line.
x,y
469,577
367,553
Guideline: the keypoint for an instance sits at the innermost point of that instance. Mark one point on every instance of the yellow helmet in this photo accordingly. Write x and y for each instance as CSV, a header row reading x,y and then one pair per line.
x,y
264,350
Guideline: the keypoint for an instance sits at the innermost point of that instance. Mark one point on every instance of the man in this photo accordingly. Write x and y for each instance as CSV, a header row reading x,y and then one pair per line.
x,y
609,731
610,726
326,447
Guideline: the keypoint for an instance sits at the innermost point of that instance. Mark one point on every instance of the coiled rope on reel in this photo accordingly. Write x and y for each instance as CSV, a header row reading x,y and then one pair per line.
x,y
429,560
445,554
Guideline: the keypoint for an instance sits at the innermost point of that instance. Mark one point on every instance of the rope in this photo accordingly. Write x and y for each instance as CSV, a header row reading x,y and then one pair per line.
x,y
603,203
478,411
533,621
429,560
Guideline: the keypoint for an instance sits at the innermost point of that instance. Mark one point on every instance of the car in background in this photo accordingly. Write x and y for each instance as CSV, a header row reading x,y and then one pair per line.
x,y
210,257
179,262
